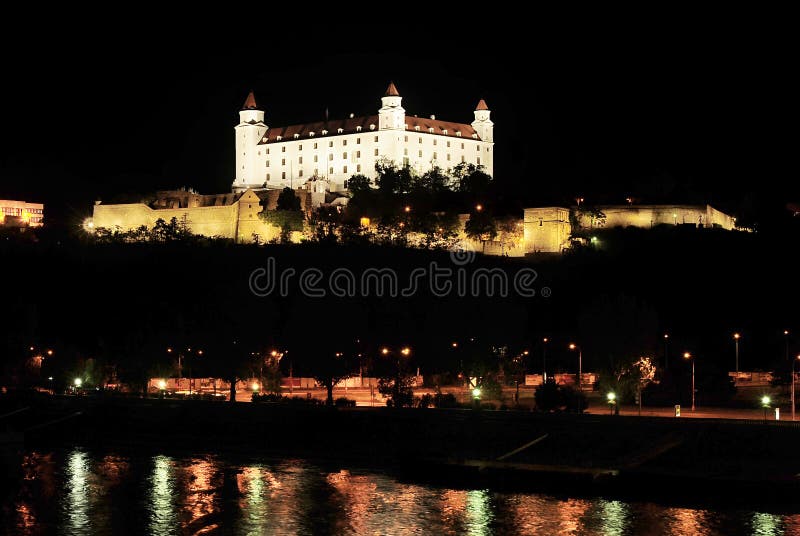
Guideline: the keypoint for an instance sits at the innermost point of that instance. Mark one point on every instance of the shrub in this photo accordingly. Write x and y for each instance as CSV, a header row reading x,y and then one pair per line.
x,y
445,400
425,401
343,402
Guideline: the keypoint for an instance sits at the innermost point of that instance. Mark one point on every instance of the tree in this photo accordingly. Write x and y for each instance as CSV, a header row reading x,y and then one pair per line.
x,y
329,369
288,200
359,184
392,179
481,226
287,216
471,180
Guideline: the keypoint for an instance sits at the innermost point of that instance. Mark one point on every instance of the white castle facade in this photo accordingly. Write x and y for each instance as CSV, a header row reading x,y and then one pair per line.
x,y
328,153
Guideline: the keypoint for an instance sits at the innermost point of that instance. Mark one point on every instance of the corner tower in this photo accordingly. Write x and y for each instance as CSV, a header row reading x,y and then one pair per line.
x,y
482,124
249,131
391,116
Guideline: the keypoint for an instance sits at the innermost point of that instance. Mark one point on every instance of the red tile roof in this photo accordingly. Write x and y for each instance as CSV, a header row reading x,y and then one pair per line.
x,y
250,102
350,126
482,105
391,91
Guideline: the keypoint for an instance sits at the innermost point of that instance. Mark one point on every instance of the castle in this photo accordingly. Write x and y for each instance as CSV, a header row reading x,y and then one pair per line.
x,y
317,159
327,153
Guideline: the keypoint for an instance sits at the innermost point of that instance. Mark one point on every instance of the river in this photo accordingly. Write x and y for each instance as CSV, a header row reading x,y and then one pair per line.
x,y
77,491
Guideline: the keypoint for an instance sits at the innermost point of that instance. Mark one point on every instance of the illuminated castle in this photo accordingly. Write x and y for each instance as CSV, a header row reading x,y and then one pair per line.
x,y
329,152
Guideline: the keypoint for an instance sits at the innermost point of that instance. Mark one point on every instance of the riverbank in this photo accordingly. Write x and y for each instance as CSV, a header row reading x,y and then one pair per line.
x,y
647,456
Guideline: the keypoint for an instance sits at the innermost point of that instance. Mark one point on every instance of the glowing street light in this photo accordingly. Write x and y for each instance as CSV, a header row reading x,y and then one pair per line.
x,y
666,351
765,403
385,351
254,387
407,209
405,351
476,393
612,400
454,345
162,384
544,359
479,207
78,382
736,338
573,346
687,355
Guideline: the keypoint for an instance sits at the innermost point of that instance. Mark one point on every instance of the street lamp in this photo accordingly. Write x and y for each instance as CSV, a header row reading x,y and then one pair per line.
x,y
612,400
77,382
687,355
666,351
765,402
736,337
574,346
786,341
544,360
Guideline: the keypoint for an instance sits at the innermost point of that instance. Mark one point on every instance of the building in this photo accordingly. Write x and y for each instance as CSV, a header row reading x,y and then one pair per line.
x,y
334,150
21,214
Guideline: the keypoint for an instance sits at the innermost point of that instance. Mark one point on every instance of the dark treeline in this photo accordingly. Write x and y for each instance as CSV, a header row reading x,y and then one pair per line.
x,y
121,306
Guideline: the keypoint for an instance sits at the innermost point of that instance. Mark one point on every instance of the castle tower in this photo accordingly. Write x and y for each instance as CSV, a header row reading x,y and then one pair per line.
x,y
249,131
482,124
391,116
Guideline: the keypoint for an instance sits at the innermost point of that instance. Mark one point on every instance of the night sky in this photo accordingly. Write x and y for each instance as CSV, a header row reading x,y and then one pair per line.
x,y
667,111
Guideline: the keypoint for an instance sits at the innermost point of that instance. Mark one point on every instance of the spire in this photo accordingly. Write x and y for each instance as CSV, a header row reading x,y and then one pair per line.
x,y
250,102
481,105
391,91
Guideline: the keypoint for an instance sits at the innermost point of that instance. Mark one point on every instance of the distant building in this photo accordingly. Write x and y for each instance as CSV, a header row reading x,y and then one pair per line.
x,y
334,150
21,214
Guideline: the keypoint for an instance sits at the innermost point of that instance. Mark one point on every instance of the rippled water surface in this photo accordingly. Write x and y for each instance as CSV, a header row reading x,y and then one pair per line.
x,y
85,492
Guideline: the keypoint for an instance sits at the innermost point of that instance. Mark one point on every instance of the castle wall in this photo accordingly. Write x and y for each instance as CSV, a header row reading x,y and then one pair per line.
x,y
647,216
546,230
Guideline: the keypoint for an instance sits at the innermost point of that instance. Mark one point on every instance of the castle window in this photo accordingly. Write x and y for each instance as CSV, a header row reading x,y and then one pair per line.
x,y
405,139
315,145
316,172
330,156
358,154
279,138
434,142
376,152
267,163
462,158
300,173
358,140
345,184
372,127
358,128
259,153
283,161
344,156
330,171
267,151
358,168
475,136
316,158
444,131
283,175
376,139
312,135
283,149
344,169
300,160
430,129
344,143
416,127
420,140
300,147
405,152
435,156
420,154
267,176
477,147
296,135
448,157
458,133
448,141
324,132
330,143
339,131
479,161
462,146
541,222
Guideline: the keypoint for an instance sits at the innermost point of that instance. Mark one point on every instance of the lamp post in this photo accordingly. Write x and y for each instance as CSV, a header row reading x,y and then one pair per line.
x,y
666,351
687,355
736,337
786,342
544,360
612,400
765,402
574,346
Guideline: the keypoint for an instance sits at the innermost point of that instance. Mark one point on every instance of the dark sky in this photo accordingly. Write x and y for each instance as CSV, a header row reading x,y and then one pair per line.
x,y
685,108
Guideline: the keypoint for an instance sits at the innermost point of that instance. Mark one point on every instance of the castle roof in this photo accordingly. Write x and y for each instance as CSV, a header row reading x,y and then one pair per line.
x,y
250,102
481,105
367,124
391,91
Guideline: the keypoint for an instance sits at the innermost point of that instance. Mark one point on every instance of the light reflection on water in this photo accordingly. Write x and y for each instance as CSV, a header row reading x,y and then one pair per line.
x,y
169,495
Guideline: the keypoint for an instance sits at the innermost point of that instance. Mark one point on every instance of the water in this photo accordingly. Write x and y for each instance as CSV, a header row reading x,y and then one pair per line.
x,y
78,492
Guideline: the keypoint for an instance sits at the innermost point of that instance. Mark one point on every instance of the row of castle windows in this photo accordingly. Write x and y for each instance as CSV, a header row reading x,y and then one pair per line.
x,y
316,172
358,142
358,155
